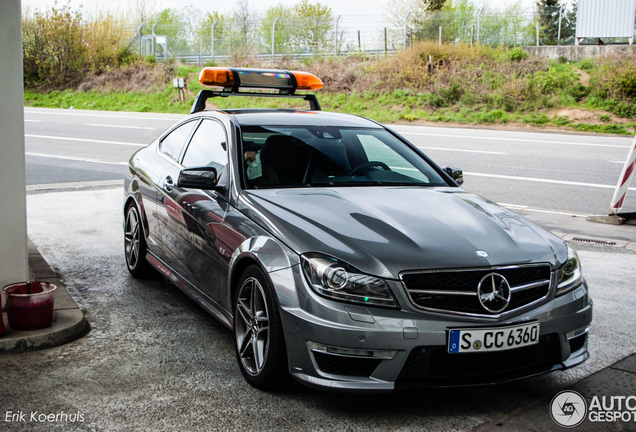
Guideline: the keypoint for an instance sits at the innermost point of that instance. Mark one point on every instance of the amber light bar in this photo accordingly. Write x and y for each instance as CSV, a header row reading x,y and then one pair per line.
x,y
285,81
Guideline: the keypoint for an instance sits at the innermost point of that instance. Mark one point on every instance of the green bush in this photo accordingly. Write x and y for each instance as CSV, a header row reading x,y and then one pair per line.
x,y
586,64
612,128
517,54
536,119
60,47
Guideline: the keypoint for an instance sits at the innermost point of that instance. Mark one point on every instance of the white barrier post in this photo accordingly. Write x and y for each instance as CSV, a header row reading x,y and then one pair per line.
x,y
624,180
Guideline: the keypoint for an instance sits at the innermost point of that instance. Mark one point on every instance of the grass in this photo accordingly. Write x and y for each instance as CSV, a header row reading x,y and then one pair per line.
x,y
478,85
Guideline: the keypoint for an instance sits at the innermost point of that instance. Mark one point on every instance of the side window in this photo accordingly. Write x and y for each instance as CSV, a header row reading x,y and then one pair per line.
x,y
172,144
207,147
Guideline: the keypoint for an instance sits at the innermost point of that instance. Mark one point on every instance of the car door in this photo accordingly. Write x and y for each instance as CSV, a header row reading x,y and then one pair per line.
x,y
169,151
196,216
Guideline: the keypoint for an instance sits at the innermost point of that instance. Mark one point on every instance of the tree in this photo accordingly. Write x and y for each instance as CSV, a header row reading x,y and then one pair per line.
x,y
314,22
548,16
462,13
143,10
171,23
504,28
435,5
243,20
439,13
394,15
285,27
220,30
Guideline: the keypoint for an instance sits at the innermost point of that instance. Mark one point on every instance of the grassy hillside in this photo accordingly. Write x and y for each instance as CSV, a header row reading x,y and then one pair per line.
x,y
449,83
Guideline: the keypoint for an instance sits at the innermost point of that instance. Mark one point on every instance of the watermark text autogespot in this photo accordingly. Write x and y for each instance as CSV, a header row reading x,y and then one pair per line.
x,y
569,409
612,409
42,417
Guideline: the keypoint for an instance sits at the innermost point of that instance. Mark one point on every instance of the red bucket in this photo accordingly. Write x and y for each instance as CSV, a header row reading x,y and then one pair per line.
x,y
32,311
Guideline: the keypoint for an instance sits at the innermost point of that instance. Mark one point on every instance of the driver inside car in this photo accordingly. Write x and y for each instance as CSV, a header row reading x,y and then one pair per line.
x,y
256,173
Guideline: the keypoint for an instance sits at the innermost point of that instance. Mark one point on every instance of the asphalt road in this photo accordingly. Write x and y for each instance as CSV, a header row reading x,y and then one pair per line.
x,y
569,173
156,361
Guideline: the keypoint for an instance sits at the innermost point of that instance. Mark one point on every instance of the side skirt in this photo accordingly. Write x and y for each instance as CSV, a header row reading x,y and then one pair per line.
x,y
192,291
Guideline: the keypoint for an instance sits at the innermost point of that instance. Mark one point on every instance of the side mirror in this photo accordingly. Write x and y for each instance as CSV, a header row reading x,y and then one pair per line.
x,y
198,178
455,174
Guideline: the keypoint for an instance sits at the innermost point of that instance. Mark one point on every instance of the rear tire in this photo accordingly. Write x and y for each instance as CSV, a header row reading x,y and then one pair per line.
x,y
135,248
258,332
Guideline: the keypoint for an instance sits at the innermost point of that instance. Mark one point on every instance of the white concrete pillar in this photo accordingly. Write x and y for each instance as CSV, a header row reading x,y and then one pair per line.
x,y
13,230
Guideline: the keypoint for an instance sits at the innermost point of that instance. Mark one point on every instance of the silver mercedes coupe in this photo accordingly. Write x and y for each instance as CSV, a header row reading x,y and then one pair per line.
x,y
340,255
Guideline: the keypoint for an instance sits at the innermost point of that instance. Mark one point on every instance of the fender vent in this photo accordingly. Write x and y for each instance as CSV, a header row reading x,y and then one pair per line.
x,y
599,242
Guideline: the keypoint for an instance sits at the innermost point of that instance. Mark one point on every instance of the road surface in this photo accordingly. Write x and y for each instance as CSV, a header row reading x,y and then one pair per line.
x,y
568,173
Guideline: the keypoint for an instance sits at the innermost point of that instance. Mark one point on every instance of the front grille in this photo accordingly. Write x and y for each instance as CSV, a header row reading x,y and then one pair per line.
x,y
456,290
433,365
339,365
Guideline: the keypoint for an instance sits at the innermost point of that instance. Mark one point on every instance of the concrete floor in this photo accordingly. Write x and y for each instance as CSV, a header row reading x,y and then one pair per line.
x,y
156,361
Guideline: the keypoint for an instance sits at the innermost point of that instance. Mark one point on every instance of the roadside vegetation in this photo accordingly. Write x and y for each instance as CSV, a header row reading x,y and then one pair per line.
x,y
74,63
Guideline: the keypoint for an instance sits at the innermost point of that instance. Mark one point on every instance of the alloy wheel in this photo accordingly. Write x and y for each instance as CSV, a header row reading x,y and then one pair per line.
x,y
252,326
132,237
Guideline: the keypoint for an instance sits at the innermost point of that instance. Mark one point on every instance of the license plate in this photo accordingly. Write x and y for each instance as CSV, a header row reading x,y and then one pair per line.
x,y
492,339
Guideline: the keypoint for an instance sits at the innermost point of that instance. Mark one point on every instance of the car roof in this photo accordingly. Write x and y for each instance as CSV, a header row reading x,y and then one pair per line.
x,y
288,117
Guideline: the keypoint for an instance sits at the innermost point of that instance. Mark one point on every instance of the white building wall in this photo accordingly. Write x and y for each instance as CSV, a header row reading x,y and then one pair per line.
x,y
605,18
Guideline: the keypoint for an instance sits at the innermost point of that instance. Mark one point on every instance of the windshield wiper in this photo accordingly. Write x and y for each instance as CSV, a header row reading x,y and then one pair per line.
x,y
353,183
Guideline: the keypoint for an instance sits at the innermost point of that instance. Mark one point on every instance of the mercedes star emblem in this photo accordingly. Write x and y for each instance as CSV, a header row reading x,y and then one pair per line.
x,y
494,292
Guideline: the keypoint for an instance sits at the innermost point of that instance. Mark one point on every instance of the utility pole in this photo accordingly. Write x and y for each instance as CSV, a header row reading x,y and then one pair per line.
x,y
201,51
274,39
140,27
336,47
537,31
406,28
359,44
153,39
212,36
559,35
479,25
385,47
472,35
440,35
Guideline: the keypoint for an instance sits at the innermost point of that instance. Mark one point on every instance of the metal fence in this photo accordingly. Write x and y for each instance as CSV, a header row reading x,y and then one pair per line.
x,y
275,38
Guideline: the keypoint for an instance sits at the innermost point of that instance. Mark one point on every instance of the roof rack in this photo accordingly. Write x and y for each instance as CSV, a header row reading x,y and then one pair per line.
x,y
233,79
204,95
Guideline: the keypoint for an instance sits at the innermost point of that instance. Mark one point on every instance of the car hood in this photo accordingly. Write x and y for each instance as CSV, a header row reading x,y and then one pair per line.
x,y
385,230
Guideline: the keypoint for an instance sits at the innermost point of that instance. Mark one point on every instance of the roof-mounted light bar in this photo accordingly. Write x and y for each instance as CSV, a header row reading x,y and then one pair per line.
x,y
287,82
232,80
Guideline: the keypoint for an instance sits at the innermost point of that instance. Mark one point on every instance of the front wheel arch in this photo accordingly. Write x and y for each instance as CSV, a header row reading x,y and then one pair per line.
x,y
132,200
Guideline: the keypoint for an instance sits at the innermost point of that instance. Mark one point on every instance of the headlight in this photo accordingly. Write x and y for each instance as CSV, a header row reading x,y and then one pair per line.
x,y
337,280
570,275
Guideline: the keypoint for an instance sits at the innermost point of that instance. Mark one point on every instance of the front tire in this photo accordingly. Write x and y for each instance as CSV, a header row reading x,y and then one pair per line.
x,y
258,332
135,248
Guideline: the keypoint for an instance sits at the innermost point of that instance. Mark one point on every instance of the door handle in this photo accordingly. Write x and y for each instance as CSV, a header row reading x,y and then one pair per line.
x,y
168,184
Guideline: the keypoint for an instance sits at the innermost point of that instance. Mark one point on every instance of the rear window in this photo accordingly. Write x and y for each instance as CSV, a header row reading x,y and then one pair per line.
x,y
304,156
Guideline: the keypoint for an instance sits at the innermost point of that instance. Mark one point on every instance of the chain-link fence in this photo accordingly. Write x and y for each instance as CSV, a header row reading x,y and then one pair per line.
x,y
278,37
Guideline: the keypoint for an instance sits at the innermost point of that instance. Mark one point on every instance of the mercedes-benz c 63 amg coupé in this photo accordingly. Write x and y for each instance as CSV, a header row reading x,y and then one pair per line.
x,y
342,256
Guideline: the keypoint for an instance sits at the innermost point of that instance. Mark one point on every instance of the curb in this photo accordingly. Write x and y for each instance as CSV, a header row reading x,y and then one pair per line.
x,y
69,322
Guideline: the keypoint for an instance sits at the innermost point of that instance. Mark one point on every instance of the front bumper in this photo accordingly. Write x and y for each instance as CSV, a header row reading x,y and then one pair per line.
x,y
416,341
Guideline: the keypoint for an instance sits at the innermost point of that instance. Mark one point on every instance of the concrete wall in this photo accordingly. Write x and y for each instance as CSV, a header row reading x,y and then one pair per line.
x,y
13,234
576,53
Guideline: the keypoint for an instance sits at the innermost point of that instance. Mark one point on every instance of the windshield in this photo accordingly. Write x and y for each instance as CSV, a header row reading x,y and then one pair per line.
x,y
305,156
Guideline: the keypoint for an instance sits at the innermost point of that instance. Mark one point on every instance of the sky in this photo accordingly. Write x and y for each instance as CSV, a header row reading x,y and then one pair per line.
x,y
344,7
